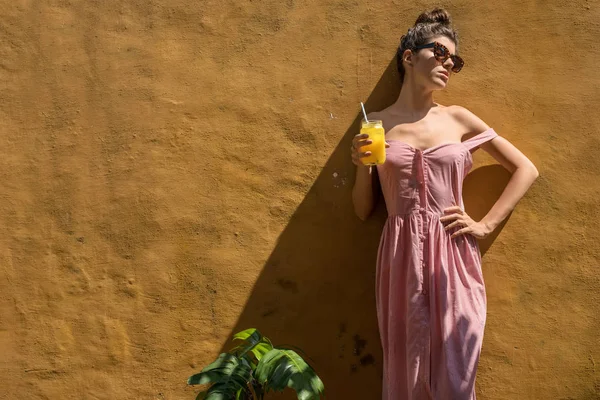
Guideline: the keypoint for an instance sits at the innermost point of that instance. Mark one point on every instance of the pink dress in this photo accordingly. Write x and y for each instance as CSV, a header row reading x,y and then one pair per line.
x,y
431,301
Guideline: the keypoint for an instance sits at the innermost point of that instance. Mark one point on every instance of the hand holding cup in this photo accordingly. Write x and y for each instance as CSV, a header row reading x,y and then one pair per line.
x,y
369,150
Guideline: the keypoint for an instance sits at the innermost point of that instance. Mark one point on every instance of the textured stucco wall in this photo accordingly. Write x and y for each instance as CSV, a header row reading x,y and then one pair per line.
x,y
175,171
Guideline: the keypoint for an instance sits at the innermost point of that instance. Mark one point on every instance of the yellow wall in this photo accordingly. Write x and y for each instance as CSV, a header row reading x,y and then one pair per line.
x,y
176,171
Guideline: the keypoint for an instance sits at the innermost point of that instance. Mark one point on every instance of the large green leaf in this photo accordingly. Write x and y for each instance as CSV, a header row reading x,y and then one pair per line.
x,y
222,391
227,373
261,349
297,349
252,341
251,334
218,392
281,368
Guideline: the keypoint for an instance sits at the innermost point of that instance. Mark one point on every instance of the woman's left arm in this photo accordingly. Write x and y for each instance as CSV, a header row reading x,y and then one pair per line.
x,y
523,174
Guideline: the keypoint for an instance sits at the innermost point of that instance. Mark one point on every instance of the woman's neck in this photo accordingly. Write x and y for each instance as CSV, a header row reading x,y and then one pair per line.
x,y
414,100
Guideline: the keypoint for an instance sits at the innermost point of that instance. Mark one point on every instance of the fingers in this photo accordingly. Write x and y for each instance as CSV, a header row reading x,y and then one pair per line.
x,y
362,143
452,225
387,145
356,152
360,140
450,217
458,220
359,137
356,156
461,232
454,209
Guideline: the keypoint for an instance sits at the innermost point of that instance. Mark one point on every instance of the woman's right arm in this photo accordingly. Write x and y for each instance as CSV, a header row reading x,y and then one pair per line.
x,y
363,192
366,184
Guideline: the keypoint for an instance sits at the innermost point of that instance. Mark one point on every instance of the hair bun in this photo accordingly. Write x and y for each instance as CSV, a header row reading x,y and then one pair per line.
x,y
437,15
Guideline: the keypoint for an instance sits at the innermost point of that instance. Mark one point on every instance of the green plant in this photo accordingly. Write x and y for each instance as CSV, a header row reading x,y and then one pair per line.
x,y
255,367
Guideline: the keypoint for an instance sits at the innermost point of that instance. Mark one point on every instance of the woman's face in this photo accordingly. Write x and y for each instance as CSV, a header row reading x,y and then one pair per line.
x,y
427,71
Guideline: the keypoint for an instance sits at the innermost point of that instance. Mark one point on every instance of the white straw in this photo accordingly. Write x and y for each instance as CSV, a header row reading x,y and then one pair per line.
x,y
364,112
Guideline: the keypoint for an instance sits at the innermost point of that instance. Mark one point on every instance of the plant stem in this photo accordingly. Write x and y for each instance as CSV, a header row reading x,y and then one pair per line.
x,y
254,396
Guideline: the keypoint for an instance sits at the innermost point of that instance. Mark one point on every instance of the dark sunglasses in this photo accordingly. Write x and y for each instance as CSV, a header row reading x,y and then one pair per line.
x,y
441,53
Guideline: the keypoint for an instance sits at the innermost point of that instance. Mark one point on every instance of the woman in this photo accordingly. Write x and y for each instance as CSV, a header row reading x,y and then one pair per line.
x,y
431,301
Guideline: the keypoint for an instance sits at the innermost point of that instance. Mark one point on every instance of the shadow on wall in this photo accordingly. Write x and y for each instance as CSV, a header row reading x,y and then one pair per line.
x,y
481,188
317,288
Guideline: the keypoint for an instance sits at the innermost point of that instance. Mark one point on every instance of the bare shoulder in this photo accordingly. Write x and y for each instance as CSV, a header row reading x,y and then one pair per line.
x,y
386,112
376,115
471,123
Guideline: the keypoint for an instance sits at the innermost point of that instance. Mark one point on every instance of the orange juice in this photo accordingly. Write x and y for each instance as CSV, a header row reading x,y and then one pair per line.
x,y
374,129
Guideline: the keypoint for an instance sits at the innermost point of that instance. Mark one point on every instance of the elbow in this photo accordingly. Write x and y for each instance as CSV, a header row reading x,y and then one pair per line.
x,y
362,215
362,207
363,218
527,169
534,172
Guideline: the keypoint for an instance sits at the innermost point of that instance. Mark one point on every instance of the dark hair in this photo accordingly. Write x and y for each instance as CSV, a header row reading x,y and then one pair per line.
x,y
436,22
